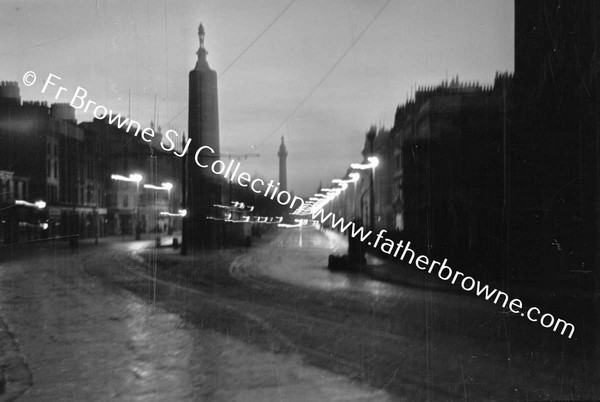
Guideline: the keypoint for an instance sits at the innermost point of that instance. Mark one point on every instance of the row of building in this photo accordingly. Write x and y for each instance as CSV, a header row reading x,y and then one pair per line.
x,y
438,181
503,179
72,171
59,177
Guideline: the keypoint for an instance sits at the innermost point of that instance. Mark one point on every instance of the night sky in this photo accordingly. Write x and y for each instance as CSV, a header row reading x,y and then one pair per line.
x,y
356,59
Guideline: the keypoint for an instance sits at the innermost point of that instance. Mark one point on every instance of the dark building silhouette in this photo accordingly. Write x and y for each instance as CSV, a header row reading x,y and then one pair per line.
x,y
46,156
49,160
204,188
554,144
445,164
377,143
282,154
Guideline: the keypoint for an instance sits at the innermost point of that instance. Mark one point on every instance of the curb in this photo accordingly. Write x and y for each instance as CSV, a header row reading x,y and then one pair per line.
x,y
400,275
15,377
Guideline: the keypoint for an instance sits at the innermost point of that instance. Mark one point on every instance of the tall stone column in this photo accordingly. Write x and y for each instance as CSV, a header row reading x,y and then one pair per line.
x,y
282,153
203,127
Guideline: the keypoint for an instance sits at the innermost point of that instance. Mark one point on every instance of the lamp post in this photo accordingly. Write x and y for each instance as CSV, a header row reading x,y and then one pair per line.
x,y
373,162
135,178
371,138
38,204
169,227
8,236
167,187
354,177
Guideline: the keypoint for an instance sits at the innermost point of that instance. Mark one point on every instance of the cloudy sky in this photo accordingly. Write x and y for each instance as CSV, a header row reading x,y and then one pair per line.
x,y
319,73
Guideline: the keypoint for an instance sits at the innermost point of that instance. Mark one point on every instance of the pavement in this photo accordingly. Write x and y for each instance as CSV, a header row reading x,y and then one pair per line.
x,y
82,335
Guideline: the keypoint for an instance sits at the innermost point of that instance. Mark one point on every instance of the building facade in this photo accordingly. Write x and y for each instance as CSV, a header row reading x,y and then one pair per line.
x,y
45,156
448,181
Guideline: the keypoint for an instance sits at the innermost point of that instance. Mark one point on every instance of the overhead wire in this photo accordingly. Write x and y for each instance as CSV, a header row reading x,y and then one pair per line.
x,y
322,80
243,52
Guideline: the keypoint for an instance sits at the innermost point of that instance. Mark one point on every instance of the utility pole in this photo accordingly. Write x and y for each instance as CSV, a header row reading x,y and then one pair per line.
x,y
371,138
184,202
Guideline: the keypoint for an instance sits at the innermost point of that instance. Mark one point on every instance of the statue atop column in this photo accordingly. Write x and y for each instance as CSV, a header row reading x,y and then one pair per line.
x,y
201,64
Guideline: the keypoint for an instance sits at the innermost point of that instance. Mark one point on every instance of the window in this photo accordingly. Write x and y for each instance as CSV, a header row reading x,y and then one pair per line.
x,y
55,169
48,168
90,194
125,201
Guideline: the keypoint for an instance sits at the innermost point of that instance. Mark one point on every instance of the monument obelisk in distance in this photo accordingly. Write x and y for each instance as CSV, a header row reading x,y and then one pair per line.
x,y
203,128
282,153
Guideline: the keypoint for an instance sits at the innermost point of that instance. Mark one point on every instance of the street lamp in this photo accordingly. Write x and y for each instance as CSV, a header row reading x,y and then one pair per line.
x,y
167,187
373,163
133,178
182,213
354,178
38,204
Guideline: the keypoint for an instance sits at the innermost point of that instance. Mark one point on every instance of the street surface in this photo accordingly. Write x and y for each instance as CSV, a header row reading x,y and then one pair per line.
x,y
122,320
85,339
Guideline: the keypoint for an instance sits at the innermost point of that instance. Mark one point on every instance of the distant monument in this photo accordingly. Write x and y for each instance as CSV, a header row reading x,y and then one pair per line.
x,y
282,153
203,189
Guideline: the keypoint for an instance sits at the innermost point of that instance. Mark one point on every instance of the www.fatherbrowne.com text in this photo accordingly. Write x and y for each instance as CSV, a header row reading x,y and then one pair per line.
x,y
403,251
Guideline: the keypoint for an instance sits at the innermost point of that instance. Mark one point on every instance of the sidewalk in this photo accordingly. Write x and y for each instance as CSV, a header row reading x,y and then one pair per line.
x,y
393,270
397,272
84,337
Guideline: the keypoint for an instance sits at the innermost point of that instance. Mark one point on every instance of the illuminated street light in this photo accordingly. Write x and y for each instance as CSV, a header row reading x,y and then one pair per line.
x,y
166,186
342,183
38,204
373,163
163,186
182,213
133,178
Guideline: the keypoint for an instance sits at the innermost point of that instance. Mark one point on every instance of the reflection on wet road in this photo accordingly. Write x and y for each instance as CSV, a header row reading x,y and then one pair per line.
x,y
299,256
84,339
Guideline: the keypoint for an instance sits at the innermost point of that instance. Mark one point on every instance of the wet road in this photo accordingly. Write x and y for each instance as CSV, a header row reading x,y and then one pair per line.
x,y
125,321
86,337
419,343
299,256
